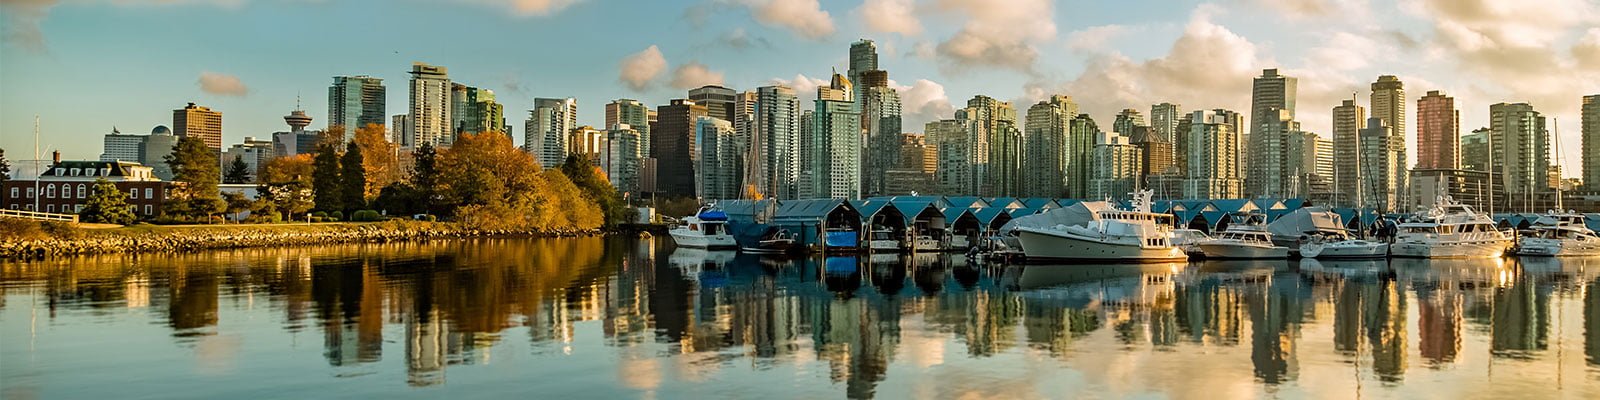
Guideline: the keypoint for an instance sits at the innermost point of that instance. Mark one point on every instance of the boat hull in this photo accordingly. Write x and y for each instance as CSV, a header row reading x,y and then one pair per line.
x,y
1044,245
1344,250
884,246
1480,249
926,245
687,238
1242,251
1558,248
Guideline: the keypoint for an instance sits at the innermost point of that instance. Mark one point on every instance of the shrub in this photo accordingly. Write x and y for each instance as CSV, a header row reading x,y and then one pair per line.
x,y
21,229
366,216
336,216
319,214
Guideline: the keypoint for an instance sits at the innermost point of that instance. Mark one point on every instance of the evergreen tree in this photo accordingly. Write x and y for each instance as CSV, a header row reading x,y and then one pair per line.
x,y
238,172
326,187
107,205
5,166
196,167
425,178
354,177
596,189
237,203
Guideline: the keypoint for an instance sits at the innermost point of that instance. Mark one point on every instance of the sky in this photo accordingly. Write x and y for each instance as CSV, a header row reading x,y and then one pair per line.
x,y
86,66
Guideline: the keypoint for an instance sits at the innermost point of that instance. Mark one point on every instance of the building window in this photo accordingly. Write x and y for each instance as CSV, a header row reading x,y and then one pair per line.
x,y
13,206
50,191
147,209
50,207
61,172
75,171
15,192
148,194
83,191
133,193
28,207
77,208
30,193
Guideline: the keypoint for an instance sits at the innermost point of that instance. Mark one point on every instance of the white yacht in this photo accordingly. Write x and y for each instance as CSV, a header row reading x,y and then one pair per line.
x,y
925,243
1337,246
1244,239
883,241
1313,232
1450,230
706,229
1098,231
1559,234
1189,240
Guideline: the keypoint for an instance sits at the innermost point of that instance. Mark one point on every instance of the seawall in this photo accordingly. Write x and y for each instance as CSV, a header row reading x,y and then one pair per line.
x,y
159,239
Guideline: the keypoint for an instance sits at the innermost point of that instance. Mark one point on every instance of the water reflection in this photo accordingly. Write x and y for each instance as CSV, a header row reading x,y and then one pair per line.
x,y
664,321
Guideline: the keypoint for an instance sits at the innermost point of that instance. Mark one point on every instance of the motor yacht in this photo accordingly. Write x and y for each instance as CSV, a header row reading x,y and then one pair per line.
x,y
1559,234
706,229
1247,238
1450,230
1098,231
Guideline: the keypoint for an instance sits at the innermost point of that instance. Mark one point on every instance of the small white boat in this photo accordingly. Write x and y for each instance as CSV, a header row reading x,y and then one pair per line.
x,y
1336,247
1559,234
925,243
1450,230
883,241
1189,240
774,241
1245,239
707,229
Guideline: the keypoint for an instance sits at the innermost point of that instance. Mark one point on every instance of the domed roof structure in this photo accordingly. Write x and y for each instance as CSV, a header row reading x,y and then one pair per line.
x,y
161,130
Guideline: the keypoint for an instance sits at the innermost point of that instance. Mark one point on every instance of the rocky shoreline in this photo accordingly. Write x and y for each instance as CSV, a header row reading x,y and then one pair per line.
x,y
245,236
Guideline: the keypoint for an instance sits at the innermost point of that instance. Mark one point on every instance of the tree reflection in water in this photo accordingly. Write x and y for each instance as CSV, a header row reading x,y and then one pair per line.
x,y
682,316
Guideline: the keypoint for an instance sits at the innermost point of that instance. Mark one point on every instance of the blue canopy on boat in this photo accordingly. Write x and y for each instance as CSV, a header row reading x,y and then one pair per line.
x,y
713,215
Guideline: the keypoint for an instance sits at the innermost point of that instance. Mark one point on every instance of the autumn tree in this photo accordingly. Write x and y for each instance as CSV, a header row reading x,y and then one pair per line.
x,y
596,189
195,167
107,205
237,203
353,177
495,185
285,183
326,188
238,172
379,162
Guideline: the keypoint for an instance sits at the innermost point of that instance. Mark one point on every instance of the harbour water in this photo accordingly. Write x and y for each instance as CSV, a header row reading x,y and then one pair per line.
x,y
623,318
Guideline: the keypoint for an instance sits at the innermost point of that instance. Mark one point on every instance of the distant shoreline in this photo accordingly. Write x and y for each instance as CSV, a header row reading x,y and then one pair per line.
x,y
171,239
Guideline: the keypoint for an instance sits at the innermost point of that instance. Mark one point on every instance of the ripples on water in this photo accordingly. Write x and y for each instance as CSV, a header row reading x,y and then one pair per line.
x,y
615,318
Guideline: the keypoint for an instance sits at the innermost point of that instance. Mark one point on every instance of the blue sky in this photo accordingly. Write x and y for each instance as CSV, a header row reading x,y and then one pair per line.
x,y
85,66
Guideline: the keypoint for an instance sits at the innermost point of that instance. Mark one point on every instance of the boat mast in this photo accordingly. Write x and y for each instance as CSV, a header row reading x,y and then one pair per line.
x,y
1557,124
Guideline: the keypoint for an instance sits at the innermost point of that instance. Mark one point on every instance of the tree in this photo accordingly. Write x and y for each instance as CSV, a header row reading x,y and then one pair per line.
x,y
195,168
597,189
107,205
238,172
425,179
286,183
5,166
237,203
354,178
326,187
379,161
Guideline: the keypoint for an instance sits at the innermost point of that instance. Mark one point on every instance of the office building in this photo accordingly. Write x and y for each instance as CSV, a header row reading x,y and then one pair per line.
x,y
1164,121
1347,174
1389,104
1591,144
998,169
122,147
675,154
773,161
1116,167
1382,174
1213,170
1519,151
718,101
200,122
430,119
1438,132
1082,133
547,128
634,114
156,148
622,158
914,173
863,58
1126,120
586,142
718,170
355,102
474,110
254,153
953,142
880,122
398,128
1044,142
831,157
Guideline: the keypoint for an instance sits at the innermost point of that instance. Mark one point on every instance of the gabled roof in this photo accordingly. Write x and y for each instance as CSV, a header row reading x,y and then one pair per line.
x,y
967,202
1004,202
869,208
937,201
987,215
1018,212
1040,203
910,208
116,168
810,210
951,214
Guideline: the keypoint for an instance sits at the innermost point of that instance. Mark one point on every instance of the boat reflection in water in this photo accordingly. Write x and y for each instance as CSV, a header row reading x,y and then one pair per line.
x,y
614,318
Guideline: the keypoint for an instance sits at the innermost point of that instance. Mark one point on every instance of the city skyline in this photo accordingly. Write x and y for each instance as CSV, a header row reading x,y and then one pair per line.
x,y
1107,59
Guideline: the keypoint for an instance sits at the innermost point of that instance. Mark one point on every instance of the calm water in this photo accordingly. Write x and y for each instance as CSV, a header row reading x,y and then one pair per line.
x,y
613,318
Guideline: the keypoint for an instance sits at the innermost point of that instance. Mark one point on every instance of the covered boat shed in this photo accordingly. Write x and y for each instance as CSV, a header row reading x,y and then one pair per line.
x,y
809,220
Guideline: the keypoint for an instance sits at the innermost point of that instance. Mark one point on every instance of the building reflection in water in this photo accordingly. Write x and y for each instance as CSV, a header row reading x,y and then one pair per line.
x,y
856,315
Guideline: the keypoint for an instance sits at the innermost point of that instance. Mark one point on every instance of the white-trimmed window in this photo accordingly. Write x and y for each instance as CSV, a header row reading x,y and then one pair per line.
x,y
83,191
50,191
50,207
16,192
147,210
30,193
77,208
133,193
76,171
149,194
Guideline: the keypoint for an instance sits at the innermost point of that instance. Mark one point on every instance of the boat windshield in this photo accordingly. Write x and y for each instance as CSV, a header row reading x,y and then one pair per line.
x,y
1420,229
713,229
881,235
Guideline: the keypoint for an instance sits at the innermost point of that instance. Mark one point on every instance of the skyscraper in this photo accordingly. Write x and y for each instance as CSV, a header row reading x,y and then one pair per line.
x,y
1272,114
1381,170
1347,122
773,163
398,127
1389,103
953,141
1115,165
122,147
718,169
156,149
1438,132
863,58
1082,133
1126,120
356,101
880,122
718,101
547,128
1213,156
1519,148
999,146
675,154
200,122
1044,143
636,115
474,110
832,156
622,158
1591,143
1164,121
1475,151
430,118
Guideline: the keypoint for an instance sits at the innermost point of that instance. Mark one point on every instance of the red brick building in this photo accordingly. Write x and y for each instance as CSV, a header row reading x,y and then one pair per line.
x,y
67,185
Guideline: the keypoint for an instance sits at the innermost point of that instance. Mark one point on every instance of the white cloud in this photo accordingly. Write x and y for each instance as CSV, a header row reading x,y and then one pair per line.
x,y
999,36
890,16
921,102
1096,37
805,87
639,70
804,17
1306,10
693,75
530,8
222,84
